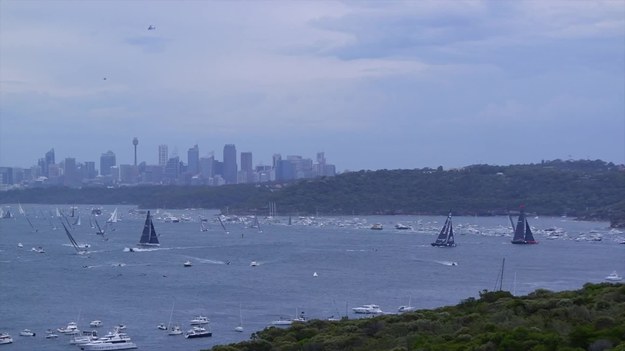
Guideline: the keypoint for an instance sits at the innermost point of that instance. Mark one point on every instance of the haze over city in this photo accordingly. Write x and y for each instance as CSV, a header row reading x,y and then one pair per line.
x,y
393,84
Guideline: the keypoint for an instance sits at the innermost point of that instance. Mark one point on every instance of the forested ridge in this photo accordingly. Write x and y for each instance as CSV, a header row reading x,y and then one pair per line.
x,y
586,189
592,318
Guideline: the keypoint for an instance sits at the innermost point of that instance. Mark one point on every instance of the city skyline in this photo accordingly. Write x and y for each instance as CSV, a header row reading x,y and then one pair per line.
x,y
377,85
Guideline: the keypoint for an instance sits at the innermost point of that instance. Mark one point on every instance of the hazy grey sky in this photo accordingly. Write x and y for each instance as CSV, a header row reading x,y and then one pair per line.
x,y
381,84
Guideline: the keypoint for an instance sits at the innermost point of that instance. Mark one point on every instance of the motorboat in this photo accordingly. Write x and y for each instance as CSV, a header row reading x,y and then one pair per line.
x,y
161,327
27,332
38,249
5,338
198,332
188,264
199,320
400,226
367,309
377,226
175,330
20,245
282,321
86,337
253,264
613,277
70,329
52,336
95,324
112,341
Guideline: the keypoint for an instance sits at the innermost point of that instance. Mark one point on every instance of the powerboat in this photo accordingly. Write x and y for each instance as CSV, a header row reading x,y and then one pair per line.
x,y
38,249
613,277
282,321
95,324
5,338
188,264
367,309
51,335
198,332
253,264
70,329
162,327
377,226
400,226
27,332
199,320
112,341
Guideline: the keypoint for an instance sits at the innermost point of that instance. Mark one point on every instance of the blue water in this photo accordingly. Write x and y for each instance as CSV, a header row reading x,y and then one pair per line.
x,y
355,266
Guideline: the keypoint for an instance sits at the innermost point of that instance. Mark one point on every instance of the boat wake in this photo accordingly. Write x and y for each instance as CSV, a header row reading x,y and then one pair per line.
x,y
447,263
203,260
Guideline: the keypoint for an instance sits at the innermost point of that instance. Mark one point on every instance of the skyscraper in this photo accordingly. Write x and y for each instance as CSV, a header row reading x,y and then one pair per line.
x,y
49,160
193,160
163,155
247,170
230,164
107,160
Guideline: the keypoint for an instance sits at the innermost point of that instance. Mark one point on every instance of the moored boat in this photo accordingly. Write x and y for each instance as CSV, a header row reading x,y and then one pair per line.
x,y
613,277
5,338
198,332
367,309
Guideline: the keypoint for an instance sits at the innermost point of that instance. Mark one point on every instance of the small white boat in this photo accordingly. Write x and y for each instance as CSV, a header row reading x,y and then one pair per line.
x,y
367,309
70,329
5,338
253,264
20,245
315,274
400,226
162,327
408,308
188,264
199,320
38,249
613,277
282,321
27,332
50,334
175,330
95,324
377,226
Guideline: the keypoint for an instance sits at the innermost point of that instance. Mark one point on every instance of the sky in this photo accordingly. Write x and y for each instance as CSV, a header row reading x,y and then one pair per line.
x,y
373,84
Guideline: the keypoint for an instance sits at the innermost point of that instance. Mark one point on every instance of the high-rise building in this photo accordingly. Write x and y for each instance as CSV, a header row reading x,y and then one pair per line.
x,y
107,160
70,172
89,170
230,164
246,175
193,160
163,155
206,166
172,169
49,160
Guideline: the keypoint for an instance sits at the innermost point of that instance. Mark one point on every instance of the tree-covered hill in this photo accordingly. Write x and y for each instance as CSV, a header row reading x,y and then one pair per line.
x,y
589,189
592,318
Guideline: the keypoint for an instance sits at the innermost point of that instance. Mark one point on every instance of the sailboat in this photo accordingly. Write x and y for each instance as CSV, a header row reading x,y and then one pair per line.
x,y
80,249
522,231
114,217
222,224
446,236
23,213
239,328
149,236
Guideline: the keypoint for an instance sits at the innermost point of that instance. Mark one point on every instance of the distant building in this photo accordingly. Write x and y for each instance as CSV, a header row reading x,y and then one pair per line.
x,y
71,177
172,169
88,170
163,155
49,160
107,160
193,160
206,167
230,164
246,175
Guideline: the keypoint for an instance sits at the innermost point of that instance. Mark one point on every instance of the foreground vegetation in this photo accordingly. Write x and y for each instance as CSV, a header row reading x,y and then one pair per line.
x,y
586,189
592,319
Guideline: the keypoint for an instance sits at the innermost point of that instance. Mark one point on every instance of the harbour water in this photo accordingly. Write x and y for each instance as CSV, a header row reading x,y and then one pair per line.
x,y
354,265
